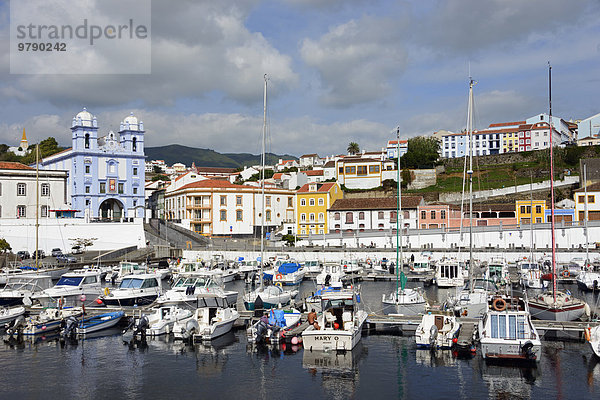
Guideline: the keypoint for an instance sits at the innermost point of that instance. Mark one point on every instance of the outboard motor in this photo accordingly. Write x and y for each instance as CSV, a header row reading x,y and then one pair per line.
x,y
69,330
433,334
141,326
261,332
527,350
191,327
15,326
327,279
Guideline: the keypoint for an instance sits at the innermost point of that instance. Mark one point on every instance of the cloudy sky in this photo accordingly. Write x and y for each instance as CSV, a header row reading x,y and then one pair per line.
x,y
339,71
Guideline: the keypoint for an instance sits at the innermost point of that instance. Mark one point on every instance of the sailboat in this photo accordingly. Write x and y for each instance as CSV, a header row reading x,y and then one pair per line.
x,y
472,301
554,305
588,279
402,300
265,296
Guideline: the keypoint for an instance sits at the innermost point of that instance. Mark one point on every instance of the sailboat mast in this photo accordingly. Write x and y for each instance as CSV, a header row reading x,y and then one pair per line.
x,y
552,183
470,173
37,203
262,185
587,239
399,262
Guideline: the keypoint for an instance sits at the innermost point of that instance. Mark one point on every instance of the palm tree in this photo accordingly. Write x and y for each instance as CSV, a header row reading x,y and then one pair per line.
x,y
353,148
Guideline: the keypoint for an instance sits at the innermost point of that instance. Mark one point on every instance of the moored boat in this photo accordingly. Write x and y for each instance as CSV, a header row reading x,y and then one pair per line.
x,y
437,331
98,322
134,290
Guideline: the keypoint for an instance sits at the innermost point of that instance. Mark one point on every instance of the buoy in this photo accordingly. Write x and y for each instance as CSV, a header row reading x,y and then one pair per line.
x,y
98,301
499,304
336,325
294,340
82,298
278,284
587,333
278,276
455,340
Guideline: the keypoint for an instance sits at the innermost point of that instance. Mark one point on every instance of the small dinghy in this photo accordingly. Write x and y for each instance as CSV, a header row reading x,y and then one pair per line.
x,y
99,322
48,320
7,315
159,322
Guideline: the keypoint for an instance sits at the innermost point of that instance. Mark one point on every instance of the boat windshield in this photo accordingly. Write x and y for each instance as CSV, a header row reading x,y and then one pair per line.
x,y
131,283
69,281
421,265
311,263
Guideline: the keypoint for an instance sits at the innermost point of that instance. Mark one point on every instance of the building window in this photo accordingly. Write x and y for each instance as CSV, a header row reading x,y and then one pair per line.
x,y
134,190
21,189
432,214
321,202
134,144
87,189
303,202
350,170
380,215
21,211
239,215
87,169
87,140
349,218
336,216
443,214
538,209
268,201
311,217
523,210
374,169
361,215
268,215
302,217
341,170
290,202
121,187
223,215
321,217
591,199
0,189
45,190
44,211
223,200
423,214
311,202
361,170
393,215
134,170
238,201
102,187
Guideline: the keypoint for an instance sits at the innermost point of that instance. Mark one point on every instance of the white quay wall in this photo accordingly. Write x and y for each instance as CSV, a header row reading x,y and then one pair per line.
x,y
56,232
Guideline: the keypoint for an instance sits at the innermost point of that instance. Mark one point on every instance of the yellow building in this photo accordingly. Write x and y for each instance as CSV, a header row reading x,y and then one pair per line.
x,y
312,202
524,211
510,141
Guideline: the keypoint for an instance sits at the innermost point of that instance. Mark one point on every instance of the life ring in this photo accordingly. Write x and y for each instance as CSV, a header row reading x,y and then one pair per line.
x,y
565,273
106,291
278,284
368,261
587,332
499,304
278,276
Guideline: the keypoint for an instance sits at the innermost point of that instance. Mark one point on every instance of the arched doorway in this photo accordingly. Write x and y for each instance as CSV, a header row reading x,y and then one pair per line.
x,y
111,209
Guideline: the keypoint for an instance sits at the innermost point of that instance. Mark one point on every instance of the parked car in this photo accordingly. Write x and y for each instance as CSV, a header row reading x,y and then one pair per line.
x,y
56,252
40,254
76,250
66,258
23,255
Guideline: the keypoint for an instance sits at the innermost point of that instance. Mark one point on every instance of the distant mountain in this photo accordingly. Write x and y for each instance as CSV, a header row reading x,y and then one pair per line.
x,y
208,158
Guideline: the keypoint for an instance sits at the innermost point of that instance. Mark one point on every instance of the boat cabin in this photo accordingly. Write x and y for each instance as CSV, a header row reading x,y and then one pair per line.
x,y
77,278
140,281
339,308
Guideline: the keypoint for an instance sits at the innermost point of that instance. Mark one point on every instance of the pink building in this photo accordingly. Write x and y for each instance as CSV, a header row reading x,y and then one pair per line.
x,y
434,216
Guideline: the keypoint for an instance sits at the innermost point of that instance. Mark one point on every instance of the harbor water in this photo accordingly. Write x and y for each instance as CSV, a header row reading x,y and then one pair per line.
x,y
381,366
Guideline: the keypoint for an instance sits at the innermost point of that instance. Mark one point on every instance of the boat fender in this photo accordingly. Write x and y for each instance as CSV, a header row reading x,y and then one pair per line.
x,y
499,304
278,284
278,276
587,332
465,313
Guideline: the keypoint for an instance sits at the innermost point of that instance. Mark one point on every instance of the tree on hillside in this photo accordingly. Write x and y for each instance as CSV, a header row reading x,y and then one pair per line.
x,y
48,147
423,152
353,148
4,246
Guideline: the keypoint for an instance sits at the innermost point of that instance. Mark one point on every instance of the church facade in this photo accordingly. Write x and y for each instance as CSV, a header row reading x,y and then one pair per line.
x,y
106,173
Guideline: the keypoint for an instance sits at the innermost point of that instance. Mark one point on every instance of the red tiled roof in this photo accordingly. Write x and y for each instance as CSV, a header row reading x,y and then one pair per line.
x,y
316,172
497,125
310,155
329,164
321,187
286,161
395,142
209,183
377,203
277,175
595,187
215,170
14,165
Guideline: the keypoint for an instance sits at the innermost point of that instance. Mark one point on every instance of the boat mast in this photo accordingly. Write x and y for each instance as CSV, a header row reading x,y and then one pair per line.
x,y
399,262
37,203
470,173
262,185
587,239
552,183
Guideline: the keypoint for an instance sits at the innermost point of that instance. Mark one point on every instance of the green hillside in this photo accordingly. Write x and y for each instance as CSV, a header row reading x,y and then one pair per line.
x,y
208,158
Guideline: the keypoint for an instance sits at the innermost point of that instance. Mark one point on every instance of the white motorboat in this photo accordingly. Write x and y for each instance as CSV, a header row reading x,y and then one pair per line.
x,y
351,267
286,274
268,297
98,322
332,274
190,286
312,267
7,273
72,289
588,280
159,322
49,319
422,264
405,301
497,272
471,303
592,335
340,323
270,329
7,315
21,286
207,322
134,290
437,331
531,274
506,331
448,273
564,307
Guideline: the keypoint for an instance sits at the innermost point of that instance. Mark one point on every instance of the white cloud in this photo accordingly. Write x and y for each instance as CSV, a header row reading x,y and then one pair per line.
x,y
357,61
